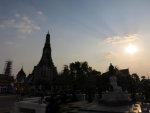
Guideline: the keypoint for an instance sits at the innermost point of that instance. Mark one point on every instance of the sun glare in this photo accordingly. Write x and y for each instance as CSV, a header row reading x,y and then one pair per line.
x,y
131,49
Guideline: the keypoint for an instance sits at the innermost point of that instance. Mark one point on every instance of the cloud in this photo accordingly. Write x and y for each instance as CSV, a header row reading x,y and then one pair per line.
x,y
22,24
17,15
9,43
21,37
7,23
40,12
122,39
109,55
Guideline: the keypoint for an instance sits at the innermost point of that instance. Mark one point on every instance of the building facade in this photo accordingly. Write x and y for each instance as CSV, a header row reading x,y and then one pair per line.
x,y
6,79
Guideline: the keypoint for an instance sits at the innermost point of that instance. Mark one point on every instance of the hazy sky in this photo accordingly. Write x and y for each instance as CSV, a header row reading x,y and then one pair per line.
x,y
96,31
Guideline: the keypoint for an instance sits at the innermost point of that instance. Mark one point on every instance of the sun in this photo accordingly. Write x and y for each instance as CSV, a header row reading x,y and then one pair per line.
x,y
131,49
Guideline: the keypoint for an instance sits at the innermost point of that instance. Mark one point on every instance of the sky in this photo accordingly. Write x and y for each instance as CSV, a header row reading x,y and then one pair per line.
x,y
96,31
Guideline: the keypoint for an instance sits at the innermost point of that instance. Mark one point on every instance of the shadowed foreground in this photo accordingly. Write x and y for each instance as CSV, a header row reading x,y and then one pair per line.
x,y
7,103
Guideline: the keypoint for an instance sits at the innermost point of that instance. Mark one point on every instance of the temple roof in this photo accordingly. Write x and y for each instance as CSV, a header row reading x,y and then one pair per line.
x,y
125,71
21,75
5,80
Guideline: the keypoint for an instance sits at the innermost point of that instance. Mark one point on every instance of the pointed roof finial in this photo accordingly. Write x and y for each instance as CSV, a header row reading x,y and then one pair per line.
x,y
22,67
48,34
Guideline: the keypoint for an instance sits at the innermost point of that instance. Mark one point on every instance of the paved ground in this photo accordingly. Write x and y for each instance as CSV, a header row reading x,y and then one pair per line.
x,y
7,103
84,107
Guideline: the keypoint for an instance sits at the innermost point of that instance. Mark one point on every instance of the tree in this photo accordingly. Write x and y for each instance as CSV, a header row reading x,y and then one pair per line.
x,y
80,77
145,86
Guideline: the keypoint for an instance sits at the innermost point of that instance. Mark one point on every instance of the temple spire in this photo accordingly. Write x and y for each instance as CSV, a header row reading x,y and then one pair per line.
x,y
47,38
22,67
45,73
46,56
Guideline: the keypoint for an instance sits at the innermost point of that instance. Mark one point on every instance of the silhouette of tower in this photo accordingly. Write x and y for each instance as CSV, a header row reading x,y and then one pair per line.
x,y
46,58
6,79
44,74
21,76
20,81
8,68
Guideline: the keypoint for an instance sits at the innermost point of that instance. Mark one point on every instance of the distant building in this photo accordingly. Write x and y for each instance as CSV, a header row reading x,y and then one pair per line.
x,y
125,71
122,72
20,81
45,73
6,79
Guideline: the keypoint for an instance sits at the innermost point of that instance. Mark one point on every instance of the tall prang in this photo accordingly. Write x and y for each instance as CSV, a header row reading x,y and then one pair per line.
x,y
46,56
45,73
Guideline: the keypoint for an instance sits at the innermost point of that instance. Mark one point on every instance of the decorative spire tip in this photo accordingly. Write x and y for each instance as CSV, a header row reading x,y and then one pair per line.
x,y
48,32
